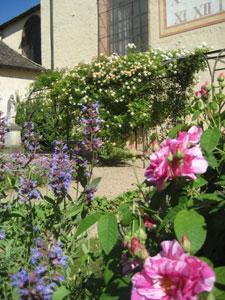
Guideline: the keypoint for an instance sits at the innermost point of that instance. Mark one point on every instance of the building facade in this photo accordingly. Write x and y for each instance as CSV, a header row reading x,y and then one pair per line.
x,y
60,34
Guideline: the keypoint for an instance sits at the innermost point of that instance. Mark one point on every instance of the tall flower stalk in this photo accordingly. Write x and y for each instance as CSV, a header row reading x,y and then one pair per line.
x,y
30,139
91,142
60,174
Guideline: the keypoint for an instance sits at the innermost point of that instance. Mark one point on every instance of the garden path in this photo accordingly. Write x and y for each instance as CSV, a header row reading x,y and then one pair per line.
x,y
118,179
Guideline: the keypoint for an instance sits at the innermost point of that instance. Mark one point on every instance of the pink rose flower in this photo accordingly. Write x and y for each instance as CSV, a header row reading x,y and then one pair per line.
x,y
192,136
181,157
172,275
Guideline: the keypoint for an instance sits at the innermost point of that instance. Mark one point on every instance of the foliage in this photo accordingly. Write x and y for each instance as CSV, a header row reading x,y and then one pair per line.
x,y
140,89
102,249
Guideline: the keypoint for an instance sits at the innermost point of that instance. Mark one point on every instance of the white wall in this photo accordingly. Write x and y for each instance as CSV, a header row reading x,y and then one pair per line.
x,y
12,82
12,34
75,32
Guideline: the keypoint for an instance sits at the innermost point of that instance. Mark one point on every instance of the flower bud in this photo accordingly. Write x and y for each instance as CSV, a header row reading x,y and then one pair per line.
x,y
197,94
180,153
142,235
135,245
186,244
170,158
203,92
149,223
155,145
222,84
221,77
207,86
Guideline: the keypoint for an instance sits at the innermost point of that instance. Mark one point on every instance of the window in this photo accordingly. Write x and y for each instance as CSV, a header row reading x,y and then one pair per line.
x,y
31,39
122,22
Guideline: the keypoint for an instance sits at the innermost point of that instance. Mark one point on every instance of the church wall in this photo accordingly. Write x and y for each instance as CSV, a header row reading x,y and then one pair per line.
x,y
45,34
197,33
75,32
14,82
12,34
213,34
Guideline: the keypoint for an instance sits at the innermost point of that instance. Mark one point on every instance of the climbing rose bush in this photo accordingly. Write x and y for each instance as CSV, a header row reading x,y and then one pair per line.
x,y
181,157
172,274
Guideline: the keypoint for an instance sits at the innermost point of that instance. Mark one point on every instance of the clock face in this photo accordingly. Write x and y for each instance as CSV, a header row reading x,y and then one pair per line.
x,y
182,15
181,11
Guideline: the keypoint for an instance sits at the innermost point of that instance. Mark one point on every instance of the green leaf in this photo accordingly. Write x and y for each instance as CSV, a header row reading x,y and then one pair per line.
x,y
108,297
50,200
108,275
210,197
125,214
15,295
206,296
211,160
214,106
173,132
221,181
107,232
191,224
199,182
206,260
196,115
219,289
171,215
209,140
72,211
95,182
87,223
60,293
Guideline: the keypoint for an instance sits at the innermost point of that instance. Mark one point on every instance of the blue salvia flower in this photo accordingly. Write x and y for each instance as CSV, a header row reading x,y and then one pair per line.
x,y
36,255
60,174
21,281
90,193
91,126
30,138
42,281
27,189
56,256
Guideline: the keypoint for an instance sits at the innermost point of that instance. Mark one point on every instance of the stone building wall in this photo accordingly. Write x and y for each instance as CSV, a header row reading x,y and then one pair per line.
x,y
75,32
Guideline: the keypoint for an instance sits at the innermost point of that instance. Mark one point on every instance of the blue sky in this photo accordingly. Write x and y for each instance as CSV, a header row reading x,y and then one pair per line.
x,y
12,8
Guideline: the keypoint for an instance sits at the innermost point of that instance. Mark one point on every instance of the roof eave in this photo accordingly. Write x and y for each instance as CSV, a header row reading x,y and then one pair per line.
x,y
2,66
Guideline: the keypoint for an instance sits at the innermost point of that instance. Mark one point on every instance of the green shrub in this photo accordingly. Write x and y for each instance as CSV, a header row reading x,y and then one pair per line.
x,y
136,90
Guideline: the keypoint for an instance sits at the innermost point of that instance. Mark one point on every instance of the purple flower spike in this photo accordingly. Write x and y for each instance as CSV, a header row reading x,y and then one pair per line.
x,y
30,138
27,190
91,126
60,175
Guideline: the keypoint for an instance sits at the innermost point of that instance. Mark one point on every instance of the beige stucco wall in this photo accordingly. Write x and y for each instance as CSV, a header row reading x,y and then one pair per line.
x,y
12,34
75,32
213,35
14,82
